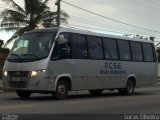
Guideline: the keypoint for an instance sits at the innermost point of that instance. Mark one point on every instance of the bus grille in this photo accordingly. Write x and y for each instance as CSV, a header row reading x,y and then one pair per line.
x,y
19,84
18,79
18,73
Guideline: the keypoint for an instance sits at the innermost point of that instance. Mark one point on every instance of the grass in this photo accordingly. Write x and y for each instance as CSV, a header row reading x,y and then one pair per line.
x,y
6,90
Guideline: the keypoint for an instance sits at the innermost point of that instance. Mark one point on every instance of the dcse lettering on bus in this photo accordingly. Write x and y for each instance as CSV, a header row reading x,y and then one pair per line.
x,y
113,65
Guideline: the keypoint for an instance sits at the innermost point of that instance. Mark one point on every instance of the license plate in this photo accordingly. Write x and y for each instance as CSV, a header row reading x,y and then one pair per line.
x,y
16,79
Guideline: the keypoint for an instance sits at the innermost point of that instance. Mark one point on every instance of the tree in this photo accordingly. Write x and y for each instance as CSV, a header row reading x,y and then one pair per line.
x,y
152,38
3,55
50,21
35,13
1,43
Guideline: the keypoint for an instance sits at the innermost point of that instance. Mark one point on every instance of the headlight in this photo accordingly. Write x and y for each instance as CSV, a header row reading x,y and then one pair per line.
x,y
34,73
5,73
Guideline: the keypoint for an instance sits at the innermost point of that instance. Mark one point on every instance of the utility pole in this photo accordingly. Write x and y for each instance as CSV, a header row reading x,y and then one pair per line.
x,y
58,20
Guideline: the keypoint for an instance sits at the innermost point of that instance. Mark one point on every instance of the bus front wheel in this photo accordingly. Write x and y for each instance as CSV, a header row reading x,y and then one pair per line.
x,y
23,94
95,92
61,90
129,90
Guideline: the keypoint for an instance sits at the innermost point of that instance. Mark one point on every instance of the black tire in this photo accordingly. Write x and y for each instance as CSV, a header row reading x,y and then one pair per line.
x,y
129,90
61,90
23,94
96,92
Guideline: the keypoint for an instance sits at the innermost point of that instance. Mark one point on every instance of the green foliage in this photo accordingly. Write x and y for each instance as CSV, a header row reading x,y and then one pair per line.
x,y
1,43
152,38
4,50
35,13
6,90
3,55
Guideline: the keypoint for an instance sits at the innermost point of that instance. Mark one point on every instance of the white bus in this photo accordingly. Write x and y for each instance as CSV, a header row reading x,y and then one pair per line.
x,y
60,60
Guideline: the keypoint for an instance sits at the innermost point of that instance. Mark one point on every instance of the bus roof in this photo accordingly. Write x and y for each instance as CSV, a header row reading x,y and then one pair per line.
x,y
85,32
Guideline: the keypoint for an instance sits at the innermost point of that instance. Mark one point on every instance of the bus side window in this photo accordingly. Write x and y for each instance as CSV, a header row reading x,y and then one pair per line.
x,y
110,49
148,52
136,49
95,49
79,47
124,50
62,47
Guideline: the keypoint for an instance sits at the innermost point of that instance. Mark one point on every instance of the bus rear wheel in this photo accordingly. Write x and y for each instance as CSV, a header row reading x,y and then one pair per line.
x,y
96,92
61,90
23,94
129,90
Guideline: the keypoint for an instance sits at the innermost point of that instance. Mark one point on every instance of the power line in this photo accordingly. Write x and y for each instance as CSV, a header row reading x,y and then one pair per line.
x,y
107,23
101,24
106,30
91,29
96,23
109,18
108,26
95,29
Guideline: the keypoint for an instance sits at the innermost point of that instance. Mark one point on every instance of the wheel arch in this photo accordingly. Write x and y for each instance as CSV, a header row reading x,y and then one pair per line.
x,y
66,77
132,77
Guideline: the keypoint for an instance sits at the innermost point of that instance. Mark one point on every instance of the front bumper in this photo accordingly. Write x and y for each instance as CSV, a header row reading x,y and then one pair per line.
x,y
23,81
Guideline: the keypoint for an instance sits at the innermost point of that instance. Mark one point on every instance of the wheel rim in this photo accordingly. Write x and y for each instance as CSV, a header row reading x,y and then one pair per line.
x,y
61,90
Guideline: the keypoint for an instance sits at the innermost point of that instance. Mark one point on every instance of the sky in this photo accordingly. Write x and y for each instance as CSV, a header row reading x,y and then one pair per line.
x,y
141,13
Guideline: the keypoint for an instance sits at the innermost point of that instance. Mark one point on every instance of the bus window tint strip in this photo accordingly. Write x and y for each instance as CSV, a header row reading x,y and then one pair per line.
x,y
92,47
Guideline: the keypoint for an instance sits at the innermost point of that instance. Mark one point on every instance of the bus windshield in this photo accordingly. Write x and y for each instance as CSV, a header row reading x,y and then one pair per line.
x,y
31,47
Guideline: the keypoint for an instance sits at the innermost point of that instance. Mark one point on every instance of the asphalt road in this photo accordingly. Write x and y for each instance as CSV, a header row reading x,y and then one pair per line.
x,y
145,100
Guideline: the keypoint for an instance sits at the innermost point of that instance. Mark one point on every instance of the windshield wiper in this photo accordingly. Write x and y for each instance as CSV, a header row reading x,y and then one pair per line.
x,y
31,55
16,55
